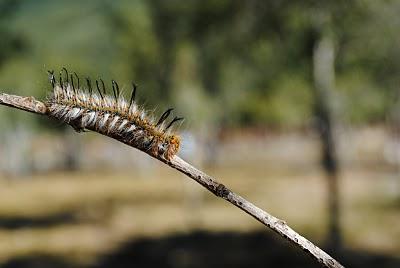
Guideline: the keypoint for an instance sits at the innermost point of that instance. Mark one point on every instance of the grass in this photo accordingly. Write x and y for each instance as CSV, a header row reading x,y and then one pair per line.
x,y
105,209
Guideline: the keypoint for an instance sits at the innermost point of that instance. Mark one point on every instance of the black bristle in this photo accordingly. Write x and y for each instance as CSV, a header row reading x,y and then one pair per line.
x,y
164,116
89,85
66,74
52,78
72,83
98,89
176,119
61,81
114,90
133,95
104,86
77,78
115,85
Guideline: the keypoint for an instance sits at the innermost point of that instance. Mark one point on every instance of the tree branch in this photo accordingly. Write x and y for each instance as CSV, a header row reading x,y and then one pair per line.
x,y
30,104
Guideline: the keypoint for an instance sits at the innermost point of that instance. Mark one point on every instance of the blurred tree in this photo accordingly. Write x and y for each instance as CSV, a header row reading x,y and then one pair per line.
x,y
222,63
12,42
324,80
244,50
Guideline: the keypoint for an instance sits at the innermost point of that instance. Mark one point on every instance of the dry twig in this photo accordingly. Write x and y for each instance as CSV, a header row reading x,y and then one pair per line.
x,y
30,104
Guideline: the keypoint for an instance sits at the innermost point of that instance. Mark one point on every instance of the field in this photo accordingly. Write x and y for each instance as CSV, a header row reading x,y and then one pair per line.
x,y
75,219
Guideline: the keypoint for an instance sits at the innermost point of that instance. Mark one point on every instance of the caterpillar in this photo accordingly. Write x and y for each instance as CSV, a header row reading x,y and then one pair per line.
x,y
111,115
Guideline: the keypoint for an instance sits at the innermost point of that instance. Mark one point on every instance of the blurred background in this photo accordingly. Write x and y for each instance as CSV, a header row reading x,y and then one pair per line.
x,y
293,104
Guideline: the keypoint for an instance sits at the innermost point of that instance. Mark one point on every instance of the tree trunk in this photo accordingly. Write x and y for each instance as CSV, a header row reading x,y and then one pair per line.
x,y
324,82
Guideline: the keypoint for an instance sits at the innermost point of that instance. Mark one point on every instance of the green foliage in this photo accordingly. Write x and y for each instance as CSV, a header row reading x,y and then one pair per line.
x,y
289,103
237,62
362,99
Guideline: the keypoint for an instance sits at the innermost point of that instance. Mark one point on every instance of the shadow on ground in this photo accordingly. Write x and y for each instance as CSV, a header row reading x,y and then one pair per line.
x,y
45,221
202,249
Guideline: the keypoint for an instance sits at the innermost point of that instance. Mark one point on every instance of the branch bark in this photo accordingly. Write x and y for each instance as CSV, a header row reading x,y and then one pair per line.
x,y
29,104
32,105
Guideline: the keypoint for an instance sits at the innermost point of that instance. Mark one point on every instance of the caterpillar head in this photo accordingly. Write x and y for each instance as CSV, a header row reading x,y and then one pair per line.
x,y
173,146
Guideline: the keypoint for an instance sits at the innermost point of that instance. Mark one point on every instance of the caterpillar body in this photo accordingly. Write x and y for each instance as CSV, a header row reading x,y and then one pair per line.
x,y
112,116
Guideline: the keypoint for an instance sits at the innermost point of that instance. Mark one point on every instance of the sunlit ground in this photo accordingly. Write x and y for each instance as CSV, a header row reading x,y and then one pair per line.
x,y
81,216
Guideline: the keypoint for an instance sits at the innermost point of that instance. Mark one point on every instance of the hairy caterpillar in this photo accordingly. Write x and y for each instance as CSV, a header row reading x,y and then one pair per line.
x,y
112,116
